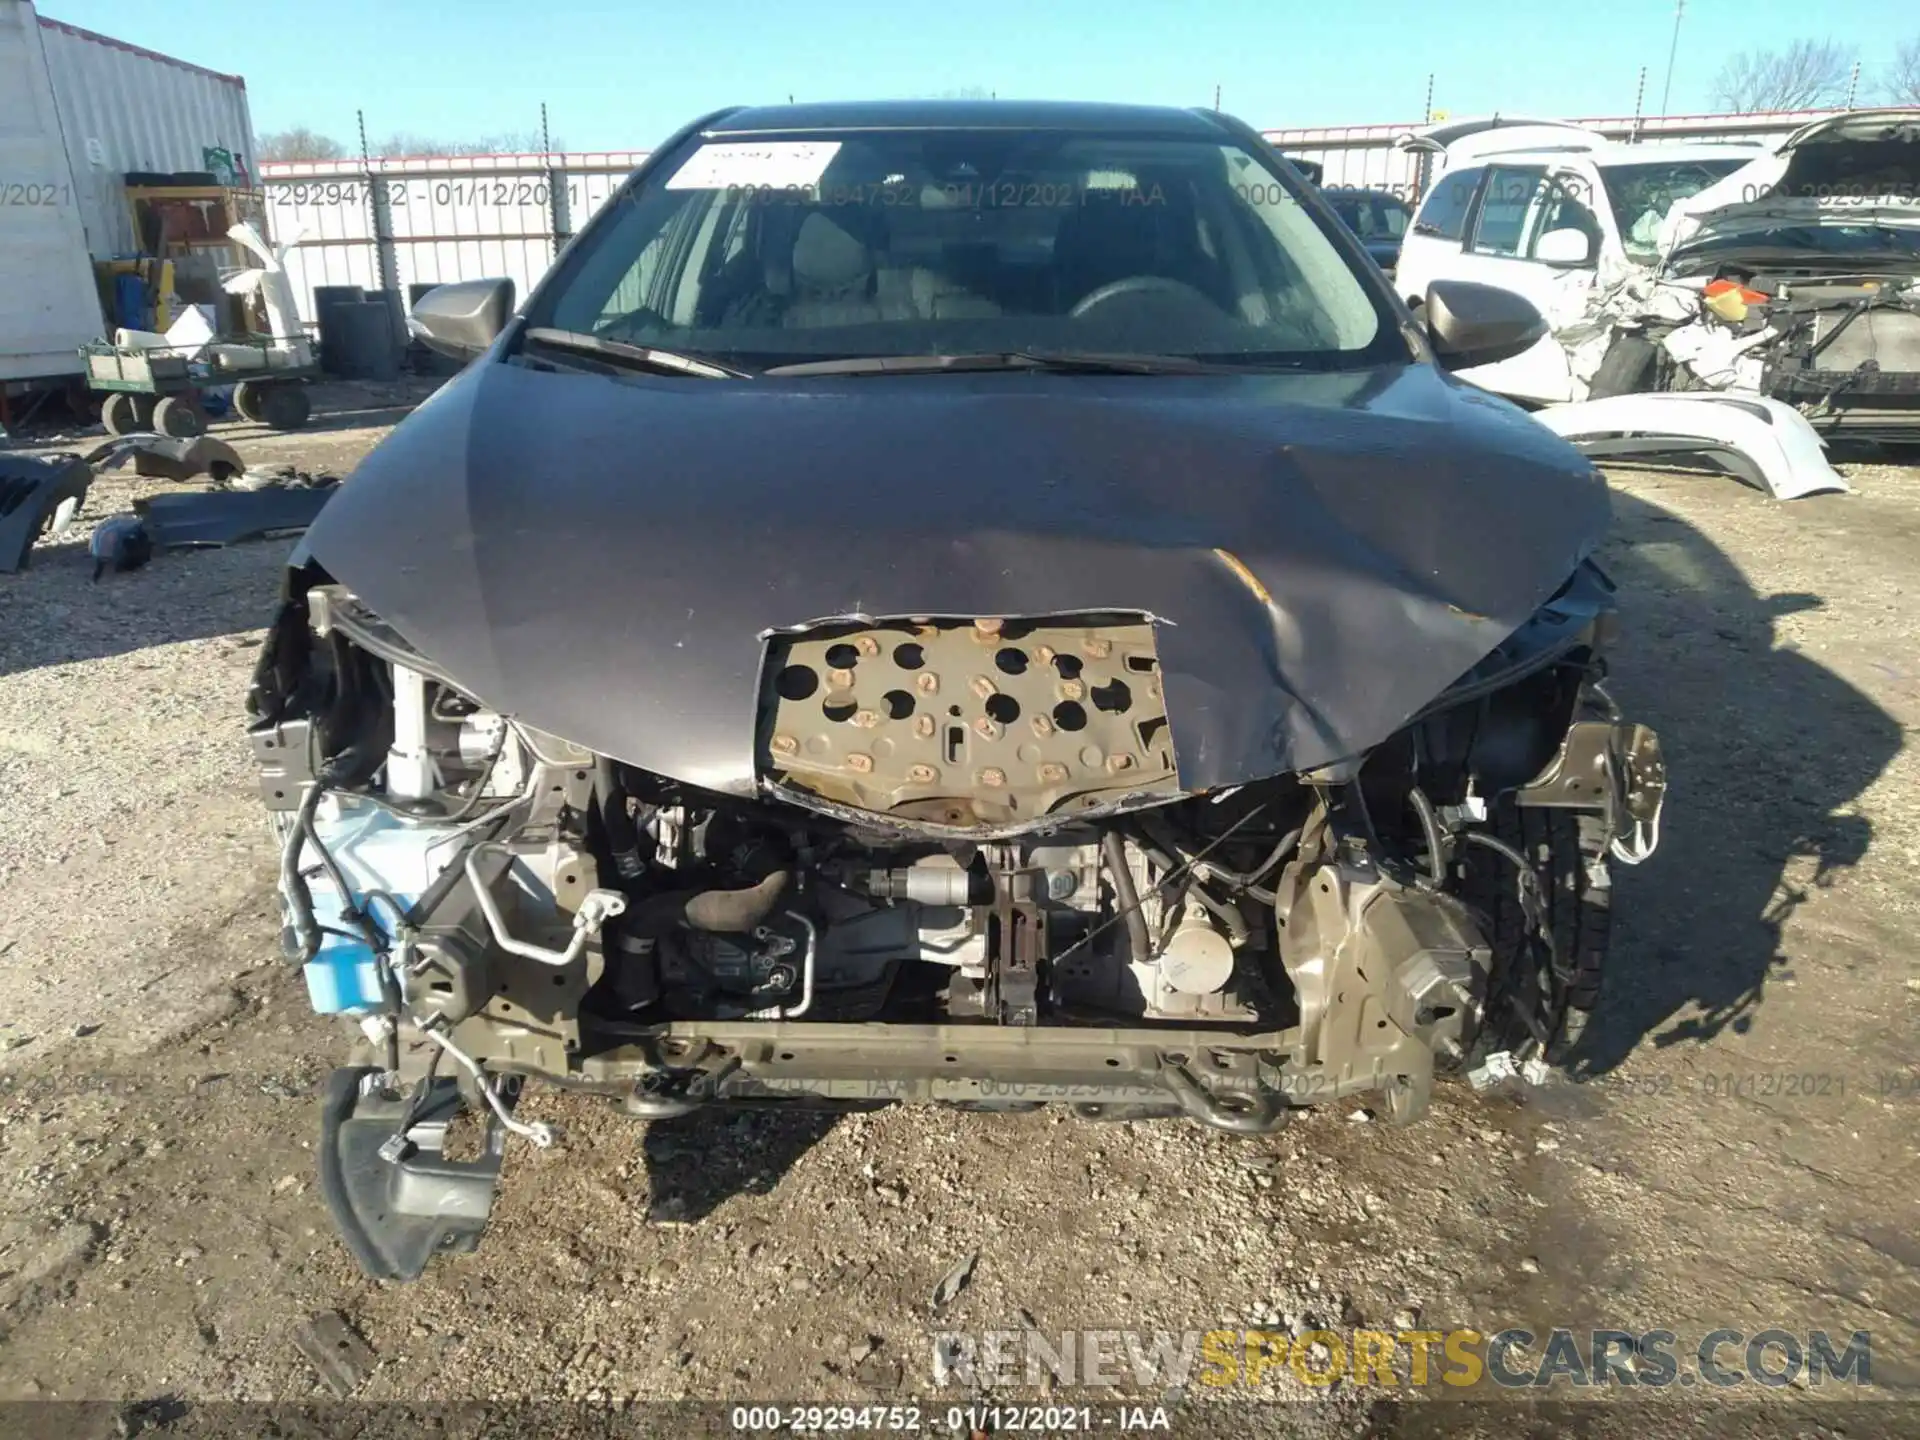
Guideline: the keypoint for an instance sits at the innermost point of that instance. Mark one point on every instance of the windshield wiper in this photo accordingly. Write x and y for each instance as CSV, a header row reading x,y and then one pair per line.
x,y
1083,362
637,357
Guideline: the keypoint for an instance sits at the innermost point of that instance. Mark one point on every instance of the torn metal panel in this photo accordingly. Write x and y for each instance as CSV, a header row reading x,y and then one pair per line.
x,y
37,496
1720,357
227,517
968,722
1765,442
1399,526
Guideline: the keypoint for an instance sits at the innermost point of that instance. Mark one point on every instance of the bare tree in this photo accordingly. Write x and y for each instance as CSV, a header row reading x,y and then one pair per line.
x,y
1903,75
300,143
1807,75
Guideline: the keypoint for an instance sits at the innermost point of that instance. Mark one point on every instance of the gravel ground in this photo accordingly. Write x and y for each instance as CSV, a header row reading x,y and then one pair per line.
x,y
1740,1150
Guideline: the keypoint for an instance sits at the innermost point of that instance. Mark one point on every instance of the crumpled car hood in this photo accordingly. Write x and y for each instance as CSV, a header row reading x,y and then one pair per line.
x,y
1846,170
604,557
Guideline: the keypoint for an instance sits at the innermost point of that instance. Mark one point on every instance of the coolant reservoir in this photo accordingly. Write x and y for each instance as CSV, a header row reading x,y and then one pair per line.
x,y
376,850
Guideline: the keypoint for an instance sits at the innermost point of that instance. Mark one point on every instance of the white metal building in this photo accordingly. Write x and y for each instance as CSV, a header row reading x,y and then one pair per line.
x,y
78,111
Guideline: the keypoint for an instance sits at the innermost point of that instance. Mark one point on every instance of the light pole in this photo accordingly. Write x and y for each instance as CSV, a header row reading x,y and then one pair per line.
x,y
1679,13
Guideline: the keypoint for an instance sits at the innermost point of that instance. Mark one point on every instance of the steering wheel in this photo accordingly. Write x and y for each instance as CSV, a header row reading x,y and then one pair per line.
x,y
1140,285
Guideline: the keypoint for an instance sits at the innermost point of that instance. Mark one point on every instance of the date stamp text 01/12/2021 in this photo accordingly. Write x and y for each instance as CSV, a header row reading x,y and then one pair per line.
x,y
969,1419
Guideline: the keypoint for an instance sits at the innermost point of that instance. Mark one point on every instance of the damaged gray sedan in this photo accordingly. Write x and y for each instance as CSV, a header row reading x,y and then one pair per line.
x,y
971,603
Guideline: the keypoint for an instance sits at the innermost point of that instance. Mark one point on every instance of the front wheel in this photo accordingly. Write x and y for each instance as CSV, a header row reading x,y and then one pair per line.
x,y
1543,987
1626,369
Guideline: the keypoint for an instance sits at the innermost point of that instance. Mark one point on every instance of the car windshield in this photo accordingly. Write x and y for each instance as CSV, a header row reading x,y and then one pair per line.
x,y
1641,195
1369,215
763,252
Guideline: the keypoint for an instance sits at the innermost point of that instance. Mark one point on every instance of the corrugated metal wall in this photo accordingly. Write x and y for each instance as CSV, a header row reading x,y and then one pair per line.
x,y
48,305
123,108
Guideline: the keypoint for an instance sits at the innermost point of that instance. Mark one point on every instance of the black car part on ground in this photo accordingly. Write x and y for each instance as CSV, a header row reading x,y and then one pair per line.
x,y
37,496
227,517
168,457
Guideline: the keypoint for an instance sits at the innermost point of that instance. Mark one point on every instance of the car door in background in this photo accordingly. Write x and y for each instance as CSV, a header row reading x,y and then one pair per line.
x,y
1431,250
1534,233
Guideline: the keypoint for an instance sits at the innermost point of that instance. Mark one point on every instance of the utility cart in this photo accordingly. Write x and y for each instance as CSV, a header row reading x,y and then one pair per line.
x,y
157,382
159,388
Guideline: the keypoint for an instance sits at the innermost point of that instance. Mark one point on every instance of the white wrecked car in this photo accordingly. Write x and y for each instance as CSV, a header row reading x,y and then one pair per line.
x,y
1561,215
1804,267
1786,280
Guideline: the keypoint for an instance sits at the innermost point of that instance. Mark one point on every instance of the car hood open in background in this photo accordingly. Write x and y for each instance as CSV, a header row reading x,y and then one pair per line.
x,y
1324,554
1853,169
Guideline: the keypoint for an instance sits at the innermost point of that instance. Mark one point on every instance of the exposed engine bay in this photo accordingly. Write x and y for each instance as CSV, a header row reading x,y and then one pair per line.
x,y
1842,349
972,876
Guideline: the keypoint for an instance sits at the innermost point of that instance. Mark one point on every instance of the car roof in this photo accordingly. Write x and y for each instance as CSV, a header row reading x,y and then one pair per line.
x,y
969,114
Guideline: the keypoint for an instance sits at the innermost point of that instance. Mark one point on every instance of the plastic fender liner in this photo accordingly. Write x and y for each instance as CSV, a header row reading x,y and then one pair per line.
x,y
1782,453
396,1215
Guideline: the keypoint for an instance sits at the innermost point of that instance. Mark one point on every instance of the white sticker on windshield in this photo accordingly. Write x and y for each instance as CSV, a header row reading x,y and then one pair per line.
x,y
776,164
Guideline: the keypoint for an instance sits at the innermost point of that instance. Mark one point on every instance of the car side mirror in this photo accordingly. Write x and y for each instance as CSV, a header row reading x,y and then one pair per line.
x,y
1570,247
462,319
1473,324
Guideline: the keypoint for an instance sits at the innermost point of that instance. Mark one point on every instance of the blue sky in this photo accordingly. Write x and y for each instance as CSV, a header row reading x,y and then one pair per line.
x,y
621,76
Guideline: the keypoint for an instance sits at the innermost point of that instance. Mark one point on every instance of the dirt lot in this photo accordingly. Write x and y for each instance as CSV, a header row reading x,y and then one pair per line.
x,y
1741,1152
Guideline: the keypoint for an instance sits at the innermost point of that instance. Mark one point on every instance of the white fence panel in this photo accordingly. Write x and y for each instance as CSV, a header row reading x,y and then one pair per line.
x,y
397,222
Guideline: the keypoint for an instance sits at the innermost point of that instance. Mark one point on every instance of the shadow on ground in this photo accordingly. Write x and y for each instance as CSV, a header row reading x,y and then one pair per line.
x,y
1765,747
55,614
697,1161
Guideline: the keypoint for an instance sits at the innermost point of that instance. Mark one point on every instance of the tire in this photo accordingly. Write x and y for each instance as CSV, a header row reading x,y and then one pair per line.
x,y
285,406
119,414
1568,851
246,399
179,417
1626,368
